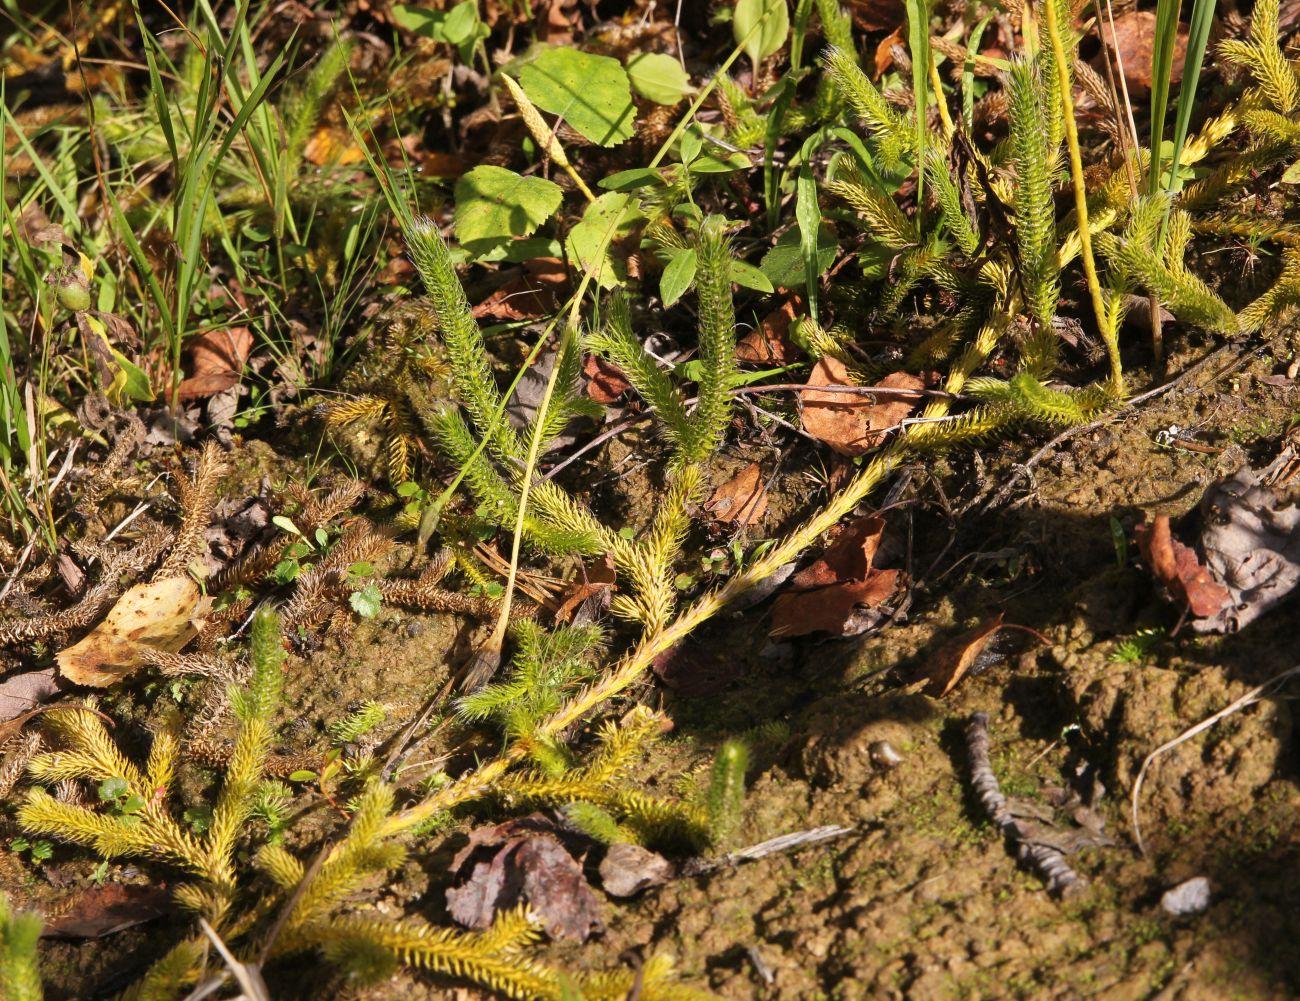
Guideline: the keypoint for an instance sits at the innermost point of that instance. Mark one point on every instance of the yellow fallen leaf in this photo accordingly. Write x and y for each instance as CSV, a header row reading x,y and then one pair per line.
x,y
163,615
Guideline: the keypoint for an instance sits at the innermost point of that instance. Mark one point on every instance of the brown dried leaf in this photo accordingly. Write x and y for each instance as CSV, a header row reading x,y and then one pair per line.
x,y
627,869
163,615
216,361
1134,39
885,52
877,15
531,292
849,556
104,910
21,693
1177,568
523,861
853,425
605,383
587,596
742,500
849,608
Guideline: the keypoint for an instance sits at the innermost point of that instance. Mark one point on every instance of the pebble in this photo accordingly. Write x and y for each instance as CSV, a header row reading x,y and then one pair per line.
x,y
1187,898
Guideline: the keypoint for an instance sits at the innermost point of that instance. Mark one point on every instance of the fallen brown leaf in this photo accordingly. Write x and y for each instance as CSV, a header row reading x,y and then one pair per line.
x,y
742,500
844,609
841,592
1134,38
627,869
104,910
528,294
849,556
216,361
523,860
877,15
1177,568
587,596
850,424
885,51
20,693
605,383
161,615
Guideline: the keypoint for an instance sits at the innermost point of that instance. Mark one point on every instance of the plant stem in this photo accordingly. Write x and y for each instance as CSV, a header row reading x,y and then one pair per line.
x,y
1081,201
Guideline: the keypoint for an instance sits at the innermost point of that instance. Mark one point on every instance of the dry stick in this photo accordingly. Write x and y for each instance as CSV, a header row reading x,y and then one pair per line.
x,y
1250,698
1050,863
781,843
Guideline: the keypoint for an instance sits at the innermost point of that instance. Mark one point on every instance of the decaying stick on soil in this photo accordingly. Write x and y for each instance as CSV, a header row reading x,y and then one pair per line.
x,y
1049,862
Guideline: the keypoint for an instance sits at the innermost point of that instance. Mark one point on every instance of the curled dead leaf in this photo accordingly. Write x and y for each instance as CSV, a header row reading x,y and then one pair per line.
x,y
605,383
162,615
217,360
769,343
841,592
1176,567
965,654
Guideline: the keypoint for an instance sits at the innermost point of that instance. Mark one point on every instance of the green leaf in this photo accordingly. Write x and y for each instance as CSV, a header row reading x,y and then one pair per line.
x,y
302,775
494,205
749,276
677,276
285,525
367,601
583,244
808,214
630,180
591,93
658,77
688,148
112,788
719,163
420,20
784,263
133,804
760,27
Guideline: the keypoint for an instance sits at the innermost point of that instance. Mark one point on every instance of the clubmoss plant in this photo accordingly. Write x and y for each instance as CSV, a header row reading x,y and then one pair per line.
x,y
308,909
20,976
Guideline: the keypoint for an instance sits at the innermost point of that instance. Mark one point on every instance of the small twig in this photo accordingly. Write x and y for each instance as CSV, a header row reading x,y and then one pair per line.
x,y
1049,862
1250,698
781,843
247,975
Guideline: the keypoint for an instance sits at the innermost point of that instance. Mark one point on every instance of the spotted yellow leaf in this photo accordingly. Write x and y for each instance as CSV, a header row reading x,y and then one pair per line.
x,y
163,615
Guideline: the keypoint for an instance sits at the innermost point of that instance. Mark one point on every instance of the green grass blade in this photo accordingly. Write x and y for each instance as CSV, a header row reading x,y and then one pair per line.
x,y
1198,37
1162,65
918,45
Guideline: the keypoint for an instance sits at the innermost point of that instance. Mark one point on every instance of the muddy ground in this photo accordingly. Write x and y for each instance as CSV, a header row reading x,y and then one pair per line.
x,y
922,898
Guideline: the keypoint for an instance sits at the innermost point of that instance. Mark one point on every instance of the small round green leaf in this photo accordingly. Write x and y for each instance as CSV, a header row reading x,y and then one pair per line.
x,y
658,77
